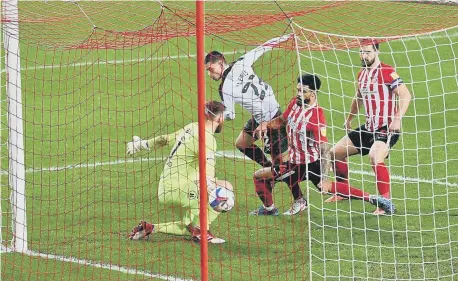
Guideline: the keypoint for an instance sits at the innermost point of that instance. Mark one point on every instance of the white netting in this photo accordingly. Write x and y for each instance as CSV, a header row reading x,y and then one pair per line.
x,y
96,73
420,241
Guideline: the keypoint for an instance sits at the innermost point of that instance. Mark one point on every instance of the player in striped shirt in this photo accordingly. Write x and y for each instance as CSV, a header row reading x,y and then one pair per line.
x,y
378,86
309,155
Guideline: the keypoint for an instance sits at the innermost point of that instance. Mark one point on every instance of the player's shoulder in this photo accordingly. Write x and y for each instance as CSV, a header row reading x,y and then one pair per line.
x,y
360,72
388,72
191,128
319,112
386,68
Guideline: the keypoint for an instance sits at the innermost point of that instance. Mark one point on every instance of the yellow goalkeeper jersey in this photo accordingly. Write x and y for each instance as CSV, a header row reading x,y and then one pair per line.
x,y
182,165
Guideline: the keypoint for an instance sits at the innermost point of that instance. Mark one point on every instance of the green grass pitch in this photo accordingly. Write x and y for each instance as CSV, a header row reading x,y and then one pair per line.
x,y
79,114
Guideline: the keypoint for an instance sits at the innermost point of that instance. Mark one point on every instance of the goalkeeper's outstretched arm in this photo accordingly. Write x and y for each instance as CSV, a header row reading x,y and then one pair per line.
x,y
138,144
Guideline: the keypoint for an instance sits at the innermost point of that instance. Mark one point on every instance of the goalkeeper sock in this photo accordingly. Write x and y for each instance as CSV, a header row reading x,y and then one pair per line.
x,y
341,171
256,154
264,191
346,190
383,179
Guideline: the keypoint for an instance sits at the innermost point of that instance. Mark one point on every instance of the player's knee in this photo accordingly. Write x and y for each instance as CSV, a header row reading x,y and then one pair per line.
x,y
338,153
240,145
374,159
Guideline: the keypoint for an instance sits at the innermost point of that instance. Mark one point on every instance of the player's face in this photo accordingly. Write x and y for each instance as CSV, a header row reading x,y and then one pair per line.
x,y
215,70
367,54
303,94
220,121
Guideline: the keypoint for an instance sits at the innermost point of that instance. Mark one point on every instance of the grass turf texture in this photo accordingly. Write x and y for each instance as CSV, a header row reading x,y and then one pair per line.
x,y
86,114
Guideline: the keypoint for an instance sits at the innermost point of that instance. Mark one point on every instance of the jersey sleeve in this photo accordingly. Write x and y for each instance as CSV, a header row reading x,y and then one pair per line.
x,y
390,77
249,58
289,108
228,101
317,125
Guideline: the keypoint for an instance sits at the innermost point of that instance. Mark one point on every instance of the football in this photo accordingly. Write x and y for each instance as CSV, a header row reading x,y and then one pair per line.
x,y
221,199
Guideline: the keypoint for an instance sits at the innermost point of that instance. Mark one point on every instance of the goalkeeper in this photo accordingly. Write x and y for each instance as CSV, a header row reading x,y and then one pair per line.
x,y
179,181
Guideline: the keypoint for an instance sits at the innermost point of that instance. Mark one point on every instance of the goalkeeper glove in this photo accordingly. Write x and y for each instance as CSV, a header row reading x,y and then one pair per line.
x,y
136,145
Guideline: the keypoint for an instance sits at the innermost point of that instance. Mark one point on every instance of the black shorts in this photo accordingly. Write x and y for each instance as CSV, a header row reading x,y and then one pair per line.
x,y
363,139
275,140
301,173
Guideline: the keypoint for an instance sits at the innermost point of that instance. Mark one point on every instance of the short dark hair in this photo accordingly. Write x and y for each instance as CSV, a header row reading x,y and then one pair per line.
x,y
214,56
310,80
213,108
370,42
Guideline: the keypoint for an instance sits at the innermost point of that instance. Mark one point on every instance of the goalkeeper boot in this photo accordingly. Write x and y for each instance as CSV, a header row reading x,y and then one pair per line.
x,y
335,198
141,231
196,237
263,211
386,206
136,145
298,206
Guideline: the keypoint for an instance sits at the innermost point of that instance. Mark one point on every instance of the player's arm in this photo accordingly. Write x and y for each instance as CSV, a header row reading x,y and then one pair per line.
x,y
138,144
228,101
404,101
356,104
325,159
276,122
249,58
398,87
318,127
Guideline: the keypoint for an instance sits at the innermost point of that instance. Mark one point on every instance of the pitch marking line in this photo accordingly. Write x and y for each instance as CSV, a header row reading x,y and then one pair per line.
x,y
437,36
96,264
226,154
139,60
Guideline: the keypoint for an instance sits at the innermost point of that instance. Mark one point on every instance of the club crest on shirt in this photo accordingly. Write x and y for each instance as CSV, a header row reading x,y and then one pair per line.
x,y
367,92
374,79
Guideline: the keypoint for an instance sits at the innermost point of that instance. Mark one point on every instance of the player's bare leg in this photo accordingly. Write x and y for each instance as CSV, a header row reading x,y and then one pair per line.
x,y
245,143
339,154
377,154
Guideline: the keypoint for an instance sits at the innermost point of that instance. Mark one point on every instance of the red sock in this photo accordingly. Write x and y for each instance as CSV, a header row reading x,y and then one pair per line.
x,y
383,179
349,191
341,171
264,191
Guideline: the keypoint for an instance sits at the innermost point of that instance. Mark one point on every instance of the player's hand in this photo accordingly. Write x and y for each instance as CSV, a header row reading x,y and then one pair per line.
x,y
325,186
395,126
136,145
347,125
261,130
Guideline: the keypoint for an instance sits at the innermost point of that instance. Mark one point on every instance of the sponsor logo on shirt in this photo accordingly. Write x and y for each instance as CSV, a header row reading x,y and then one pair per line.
x,y
192,195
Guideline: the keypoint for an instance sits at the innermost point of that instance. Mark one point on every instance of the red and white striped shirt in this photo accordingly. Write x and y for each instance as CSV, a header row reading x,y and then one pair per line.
x,y
306,128
376,87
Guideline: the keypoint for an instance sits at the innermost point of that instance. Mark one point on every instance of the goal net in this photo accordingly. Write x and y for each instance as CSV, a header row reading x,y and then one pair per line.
x,y
87,76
